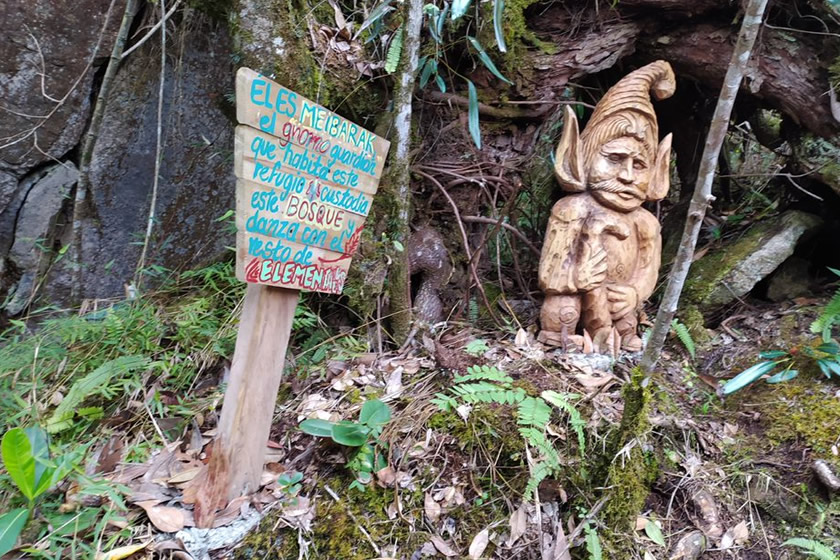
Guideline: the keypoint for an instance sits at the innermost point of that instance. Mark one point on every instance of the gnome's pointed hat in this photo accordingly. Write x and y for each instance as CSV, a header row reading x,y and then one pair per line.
x,y
617,113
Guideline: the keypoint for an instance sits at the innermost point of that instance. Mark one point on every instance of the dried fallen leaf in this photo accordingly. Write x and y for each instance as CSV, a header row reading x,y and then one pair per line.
x,y
432,508
387,477
164,518
690,547
479,543
122,552
518,524
442,547
184,476
735,535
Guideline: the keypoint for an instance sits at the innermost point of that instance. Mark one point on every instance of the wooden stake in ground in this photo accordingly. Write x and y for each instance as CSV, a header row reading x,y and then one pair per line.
x,y
703,189
305,183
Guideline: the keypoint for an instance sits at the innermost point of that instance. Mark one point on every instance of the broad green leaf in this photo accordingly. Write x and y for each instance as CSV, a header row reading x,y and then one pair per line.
x,y
833,366
748,376
772,354
41,454
349,434
434,14
780,377
815,548
376,14
440,83
498,16
823,364
829,348
485,59
834,270
11,524
317,427
442,19
429,68
375,413
459,8
17,456
654,533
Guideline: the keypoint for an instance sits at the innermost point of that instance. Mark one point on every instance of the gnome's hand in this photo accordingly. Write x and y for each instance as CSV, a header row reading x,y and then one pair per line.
x,y
623,299
592,268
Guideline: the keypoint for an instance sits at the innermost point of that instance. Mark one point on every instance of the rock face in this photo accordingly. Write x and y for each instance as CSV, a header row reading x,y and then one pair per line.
x,y
30,251
196,183
729,273
48,57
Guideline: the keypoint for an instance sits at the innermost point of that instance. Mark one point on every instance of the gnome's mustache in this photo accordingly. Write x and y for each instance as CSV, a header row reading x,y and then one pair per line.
x,y
613,186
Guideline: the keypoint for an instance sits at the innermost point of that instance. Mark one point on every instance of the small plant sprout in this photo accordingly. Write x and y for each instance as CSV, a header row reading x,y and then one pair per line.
x,y
363,434
290,483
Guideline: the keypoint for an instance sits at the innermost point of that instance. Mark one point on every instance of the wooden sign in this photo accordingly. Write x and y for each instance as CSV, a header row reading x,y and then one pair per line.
x,y
306,180
305,184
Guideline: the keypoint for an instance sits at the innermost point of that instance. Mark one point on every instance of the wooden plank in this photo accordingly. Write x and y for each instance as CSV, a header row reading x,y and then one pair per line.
x,y
266,260
292,160
236,464
295,219
271,108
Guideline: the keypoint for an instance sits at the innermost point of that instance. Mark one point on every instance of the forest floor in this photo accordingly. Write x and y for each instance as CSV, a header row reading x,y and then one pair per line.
x,y
447,477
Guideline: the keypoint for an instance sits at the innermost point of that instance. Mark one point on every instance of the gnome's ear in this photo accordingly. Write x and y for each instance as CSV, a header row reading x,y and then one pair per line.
x,y
661,179
568,161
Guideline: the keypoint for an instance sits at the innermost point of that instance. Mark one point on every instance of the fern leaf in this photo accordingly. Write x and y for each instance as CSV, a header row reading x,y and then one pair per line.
x,y
815,548
576,421
533,412
485,373
481,391
684,335
539,472
94,383
444,402
392,59
593,543
828,317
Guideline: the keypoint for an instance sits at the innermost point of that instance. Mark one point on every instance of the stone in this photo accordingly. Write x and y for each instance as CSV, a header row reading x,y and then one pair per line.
x,y
790,280
196,184
30,251
48,57
731,272
601,254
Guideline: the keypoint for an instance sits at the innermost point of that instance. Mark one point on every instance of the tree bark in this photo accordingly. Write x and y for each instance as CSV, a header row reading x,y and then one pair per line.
x,y
399,177
703,189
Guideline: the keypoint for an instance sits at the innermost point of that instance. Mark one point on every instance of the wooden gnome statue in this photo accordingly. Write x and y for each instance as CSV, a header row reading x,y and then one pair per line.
x,y
600,258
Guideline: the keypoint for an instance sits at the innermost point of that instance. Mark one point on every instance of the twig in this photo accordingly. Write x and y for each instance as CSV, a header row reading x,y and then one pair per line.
x,y
91,137
703,189
138,275
521,236
465,239
152,31
488,110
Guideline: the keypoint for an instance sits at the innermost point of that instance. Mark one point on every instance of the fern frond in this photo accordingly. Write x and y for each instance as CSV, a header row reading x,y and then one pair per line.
x,y
484,373
576,421
812,547
533,412
684,335
539,472
593,543
392,59
828,317
444,402
536,439
94,383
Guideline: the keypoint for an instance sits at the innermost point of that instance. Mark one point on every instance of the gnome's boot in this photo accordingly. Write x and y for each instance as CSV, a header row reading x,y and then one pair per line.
x,y
559,318
626,327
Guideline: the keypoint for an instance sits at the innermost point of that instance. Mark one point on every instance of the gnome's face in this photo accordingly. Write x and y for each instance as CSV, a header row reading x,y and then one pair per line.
x,y
619,174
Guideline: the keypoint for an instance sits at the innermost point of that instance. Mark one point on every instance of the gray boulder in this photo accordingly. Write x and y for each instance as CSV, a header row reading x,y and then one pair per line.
x,y
731,272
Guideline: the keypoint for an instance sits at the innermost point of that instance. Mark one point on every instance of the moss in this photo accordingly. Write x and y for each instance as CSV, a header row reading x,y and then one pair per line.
x,y
696,324
631,469
706,274
335,528
804,410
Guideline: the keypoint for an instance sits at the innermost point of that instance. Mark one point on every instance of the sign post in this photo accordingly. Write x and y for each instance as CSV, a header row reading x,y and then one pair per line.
x,y
305,184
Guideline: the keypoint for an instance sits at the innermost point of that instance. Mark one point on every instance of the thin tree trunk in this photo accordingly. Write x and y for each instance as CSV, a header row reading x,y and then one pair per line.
x,y
90,142
399,177
703,189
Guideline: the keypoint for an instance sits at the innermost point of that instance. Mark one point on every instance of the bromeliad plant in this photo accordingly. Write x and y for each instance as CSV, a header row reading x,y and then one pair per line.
x,y
363,435
826,355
